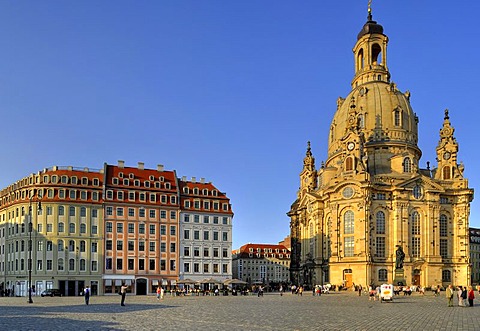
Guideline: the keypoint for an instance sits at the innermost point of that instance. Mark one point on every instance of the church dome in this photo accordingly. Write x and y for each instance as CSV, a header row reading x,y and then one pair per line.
x,y
375,110
383,116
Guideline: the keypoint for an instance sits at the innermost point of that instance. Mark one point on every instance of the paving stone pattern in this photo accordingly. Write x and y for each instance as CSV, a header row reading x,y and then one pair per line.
x,y
272,312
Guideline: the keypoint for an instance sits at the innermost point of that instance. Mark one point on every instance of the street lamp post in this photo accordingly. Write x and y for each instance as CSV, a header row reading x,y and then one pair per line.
x,y
30,228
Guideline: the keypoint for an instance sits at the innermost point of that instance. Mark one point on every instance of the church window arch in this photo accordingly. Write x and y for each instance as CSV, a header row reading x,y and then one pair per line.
x,y
407,165
415,220
443,225
415,234
348,222
446,172
397,118
312,239
349,164
376,54
380,222
360,60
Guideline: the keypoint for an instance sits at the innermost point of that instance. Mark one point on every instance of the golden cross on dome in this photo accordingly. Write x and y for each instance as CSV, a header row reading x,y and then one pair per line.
x,y
369,6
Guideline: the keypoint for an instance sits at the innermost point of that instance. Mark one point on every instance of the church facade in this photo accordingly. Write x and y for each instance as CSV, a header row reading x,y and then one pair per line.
x,y
370,200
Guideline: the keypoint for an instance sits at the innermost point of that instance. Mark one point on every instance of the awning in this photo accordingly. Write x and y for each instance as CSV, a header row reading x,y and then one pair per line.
x,y
155,282
108,282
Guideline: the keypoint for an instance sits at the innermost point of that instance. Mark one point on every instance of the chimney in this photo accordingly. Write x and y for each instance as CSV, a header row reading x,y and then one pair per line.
x,y
194,179
160,167
184,178
202,180
141,165
121,164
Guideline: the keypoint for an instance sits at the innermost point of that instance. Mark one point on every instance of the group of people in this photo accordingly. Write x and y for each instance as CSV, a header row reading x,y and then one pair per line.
x,y
463,295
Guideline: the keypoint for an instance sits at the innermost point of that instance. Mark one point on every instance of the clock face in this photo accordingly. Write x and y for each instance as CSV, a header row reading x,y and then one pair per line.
x,y
446,155
351,146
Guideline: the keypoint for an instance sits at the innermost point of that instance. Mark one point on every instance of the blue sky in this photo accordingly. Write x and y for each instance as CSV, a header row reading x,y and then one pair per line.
x,y
226,90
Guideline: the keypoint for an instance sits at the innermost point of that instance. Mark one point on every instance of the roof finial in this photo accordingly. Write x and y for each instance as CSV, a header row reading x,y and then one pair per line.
x,y
369,10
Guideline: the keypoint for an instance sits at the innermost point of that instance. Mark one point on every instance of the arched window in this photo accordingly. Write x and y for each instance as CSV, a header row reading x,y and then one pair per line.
x,y
60,245
61,210
71,246
83,228
380,229
82,246
446,276
82,265
407,165
376,54
415,232
312,240
360,59
349,164
71,264
349,222
71,228
382,275
397,120
415,223
446,172
71,211
443,225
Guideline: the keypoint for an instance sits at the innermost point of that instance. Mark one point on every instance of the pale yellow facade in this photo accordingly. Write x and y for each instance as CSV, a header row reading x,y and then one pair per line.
x,y
370,196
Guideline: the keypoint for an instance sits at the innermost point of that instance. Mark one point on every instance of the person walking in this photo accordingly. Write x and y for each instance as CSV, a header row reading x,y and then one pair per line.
x,y
449,295
460,296
470,296
159,291
123,292
86,293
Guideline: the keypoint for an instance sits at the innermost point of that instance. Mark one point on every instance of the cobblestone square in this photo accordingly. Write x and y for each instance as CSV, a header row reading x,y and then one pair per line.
x,y
335,311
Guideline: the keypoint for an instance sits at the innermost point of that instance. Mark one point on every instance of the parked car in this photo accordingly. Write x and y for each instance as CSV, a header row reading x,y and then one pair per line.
x,y
51,293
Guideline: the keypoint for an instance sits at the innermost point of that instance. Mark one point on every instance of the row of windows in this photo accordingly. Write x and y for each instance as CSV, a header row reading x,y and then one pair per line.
x,y
142,196
72,228
19,265
215,267
74,180
72,211
206,252
20,246
140,246
206,235
152,213
205,219
141,228
207,205
136,182
266,250
140,264
196,191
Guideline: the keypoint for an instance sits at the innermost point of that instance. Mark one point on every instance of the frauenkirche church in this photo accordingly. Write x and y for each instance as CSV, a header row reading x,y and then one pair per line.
x,y
369,214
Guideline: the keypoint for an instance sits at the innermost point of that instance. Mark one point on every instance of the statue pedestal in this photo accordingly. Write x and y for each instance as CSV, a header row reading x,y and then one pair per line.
x,y
399,278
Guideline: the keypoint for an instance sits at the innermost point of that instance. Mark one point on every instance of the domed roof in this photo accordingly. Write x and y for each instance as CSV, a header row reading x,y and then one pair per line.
x,y
383,114
370,27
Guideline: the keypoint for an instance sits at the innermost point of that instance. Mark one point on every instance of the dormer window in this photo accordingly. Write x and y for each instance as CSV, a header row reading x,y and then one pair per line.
x,y
407,165
397,118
